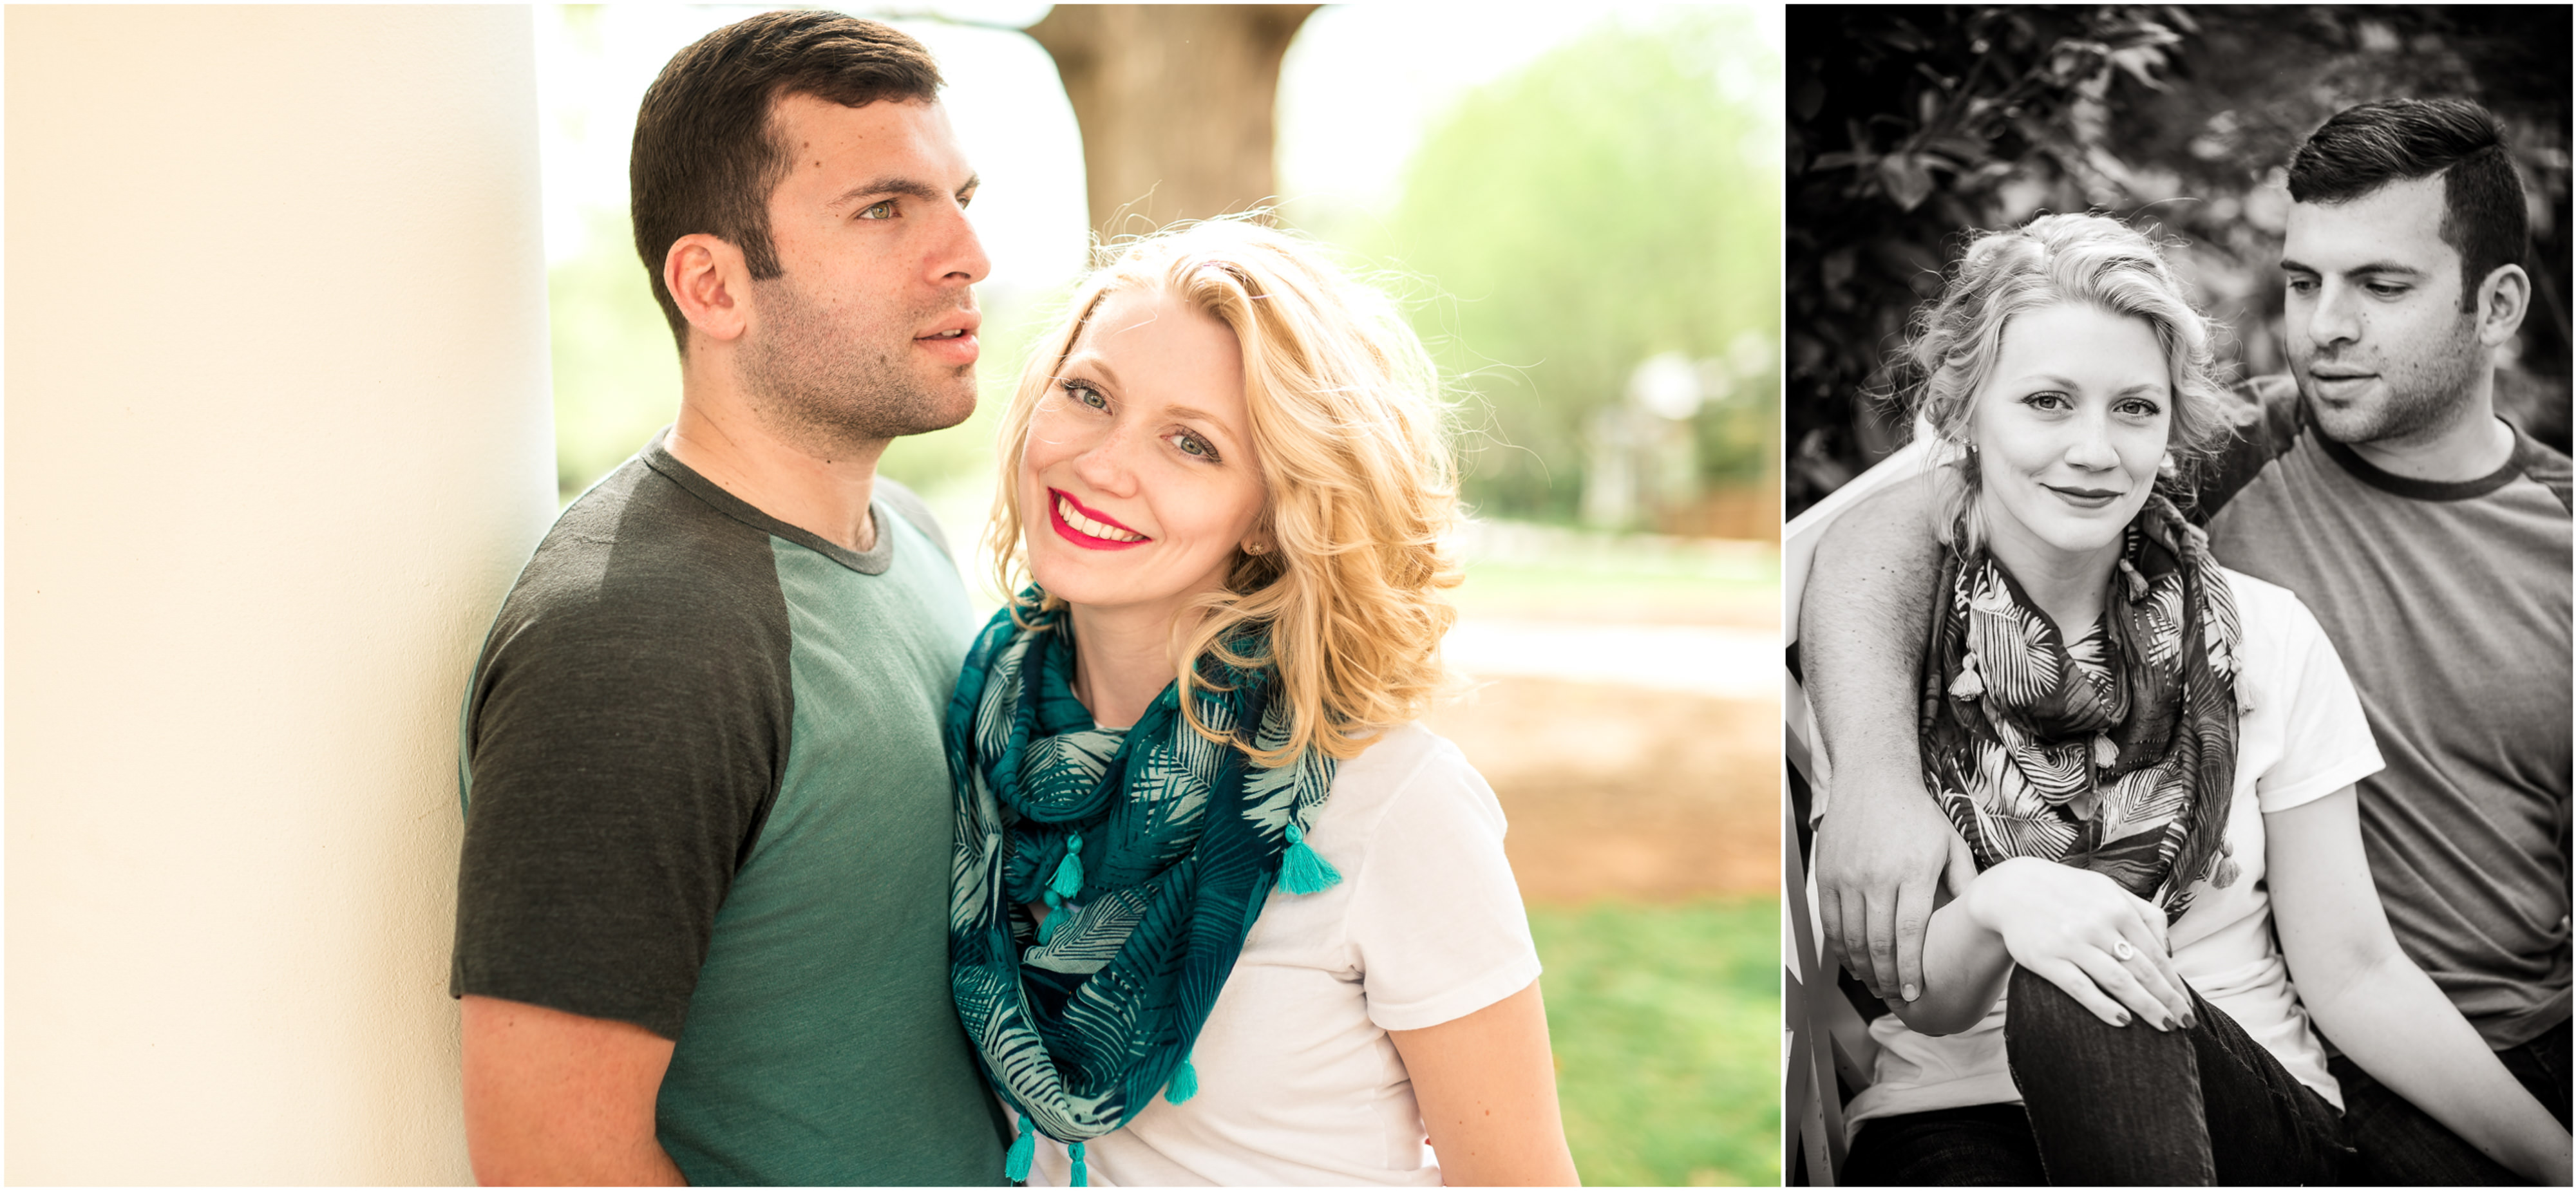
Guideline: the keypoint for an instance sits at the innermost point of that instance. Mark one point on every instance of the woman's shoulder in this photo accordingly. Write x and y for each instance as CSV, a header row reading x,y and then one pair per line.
x,y
1411,766
2266,611
2276,633
1406,757
2302,733
2257,597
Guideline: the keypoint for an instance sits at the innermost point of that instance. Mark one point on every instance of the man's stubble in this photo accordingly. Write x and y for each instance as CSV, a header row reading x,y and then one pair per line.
x,y
2421,396
832,388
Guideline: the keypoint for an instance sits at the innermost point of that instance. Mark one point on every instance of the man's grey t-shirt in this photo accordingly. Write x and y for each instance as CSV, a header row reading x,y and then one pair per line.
x,y
2450,604
706,794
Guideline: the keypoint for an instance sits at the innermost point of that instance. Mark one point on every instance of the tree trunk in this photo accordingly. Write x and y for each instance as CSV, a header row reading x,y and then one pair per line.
x,y
1175,104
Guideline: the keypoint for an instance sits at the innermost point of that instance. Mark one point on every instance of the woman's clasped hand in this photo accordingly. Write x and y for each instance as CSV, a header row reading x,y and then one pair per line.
x,y
2101,944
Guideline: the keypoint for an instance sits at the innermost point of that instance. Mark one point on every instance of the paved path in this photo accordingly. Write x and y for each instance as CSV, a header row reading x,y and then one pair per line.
x,y
1711,660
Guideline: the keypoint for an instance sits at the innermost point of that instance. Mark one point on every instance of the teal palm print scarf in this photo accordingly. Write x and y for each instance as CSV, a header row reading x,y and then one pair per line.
x,y
1153,849
2115,752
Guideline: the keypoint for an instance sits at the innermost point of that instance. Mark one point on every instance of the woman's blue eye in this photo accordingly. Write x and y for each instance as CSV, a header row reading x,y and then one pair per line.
x,y
2045,400
1192,445
1084,394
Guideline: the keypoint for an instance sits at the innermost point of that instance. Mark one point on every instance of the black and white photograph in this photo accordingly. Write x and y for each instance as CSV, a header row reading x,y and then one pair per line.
x,y
2177,593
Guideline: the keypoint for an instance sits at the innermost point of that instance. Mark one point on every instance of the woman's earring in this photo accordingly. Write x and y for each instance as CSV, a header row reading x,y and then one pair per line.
x,y
2168,468
1254,548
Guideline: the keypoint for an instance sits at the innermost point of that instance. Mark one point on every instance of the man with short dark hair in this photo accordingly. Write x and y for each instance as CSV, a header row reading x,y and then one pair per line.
x,y
702,908
2431,539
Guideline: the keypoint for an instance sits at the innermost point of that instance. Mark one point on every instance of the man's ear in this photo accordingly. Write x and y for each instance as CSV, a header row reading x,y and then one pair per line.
x,y
709,281
2503,299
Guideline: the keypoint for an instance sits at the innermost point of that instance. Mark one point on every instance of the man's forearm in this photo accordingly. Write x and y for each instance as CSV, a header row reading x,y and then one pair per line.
x,y
1882,845
1861,638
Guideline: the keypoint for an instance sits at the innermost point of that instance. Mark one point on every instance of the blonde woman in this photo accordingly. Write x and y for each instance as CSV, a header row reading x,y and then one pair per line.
x,y
1223,914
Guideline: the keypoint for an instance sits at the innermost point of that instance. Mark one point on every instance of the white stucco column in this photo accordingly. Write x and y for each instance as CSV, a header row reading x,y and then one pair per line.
x,y
277,441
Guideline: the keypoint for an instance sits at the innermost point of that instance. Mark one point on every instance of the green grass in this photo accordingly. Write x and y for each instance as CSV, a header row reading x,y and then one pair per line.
x,y
1666,1024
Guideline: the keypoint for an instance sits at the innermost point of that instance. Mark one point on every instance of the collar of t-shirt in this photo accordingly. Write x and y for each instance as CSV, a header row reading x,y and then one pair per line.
x,y
872,561
2413,489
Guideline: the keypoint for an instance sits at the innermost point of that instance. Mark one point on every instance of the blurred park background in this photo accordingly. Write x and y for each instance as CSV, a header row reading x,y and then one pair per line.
x,y
1581,209
1908,126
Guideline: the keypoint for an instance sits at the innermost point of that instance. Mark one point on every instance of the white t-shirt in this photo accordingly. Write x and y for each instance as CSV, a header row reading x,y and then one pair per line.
x,y
2302,739
1298,1083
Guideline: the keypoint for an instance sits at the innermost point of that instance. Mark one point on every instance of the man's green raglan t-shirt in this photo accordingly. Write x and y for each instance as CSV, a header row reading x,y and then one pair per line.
x,y
705,793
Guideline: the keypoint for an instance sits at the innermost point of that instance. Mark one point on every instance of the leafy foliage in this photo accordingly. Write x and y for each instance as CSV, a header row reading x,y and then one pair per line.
x,y
1908,127
1605,204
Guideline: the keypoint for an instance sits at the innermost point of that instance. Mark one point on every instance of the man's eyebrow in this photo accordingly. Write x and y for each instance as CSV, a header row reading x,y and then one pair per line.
x,y
2288,265
903,187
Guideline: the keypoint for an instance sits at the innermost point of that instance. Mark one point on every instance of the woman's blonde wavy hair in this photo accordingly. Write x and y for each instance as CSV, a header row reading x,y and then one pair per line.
x,y
2054,259
1349,426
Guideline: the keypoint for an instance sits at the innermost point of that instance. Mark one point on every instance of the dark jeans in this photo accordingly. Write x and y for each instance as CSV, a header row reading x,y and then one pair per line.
x,y
1987,1145
2112,1105
2399,1146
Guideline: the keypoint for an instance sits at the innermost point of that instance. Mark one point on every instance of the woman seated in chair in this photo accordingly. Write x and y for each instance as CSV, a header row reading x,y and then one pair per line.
x,y
2152,759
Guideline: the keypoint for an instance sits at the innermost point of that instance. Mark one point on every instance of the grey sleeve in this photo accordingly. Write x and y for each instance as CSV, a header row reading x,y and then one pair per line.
x,y
621,755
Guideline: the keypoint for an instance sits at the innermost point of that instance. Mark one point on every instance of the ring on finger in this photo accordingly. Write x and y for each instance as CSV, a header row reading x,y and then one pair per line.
x,y
2122,949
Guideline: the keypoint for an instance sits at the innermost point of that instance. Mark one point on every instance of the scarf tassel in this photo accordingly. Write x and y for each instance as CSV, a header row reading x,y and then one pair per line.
x,y
1068,875
1967,685
1184,1084
1301,871
2137,583
1081,1176
1054,915
1024,1152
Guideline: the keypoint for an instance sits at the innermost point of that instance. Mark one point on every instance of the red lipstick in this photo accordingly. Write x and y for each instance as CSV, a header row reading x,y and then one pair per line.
x,y
1055,515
